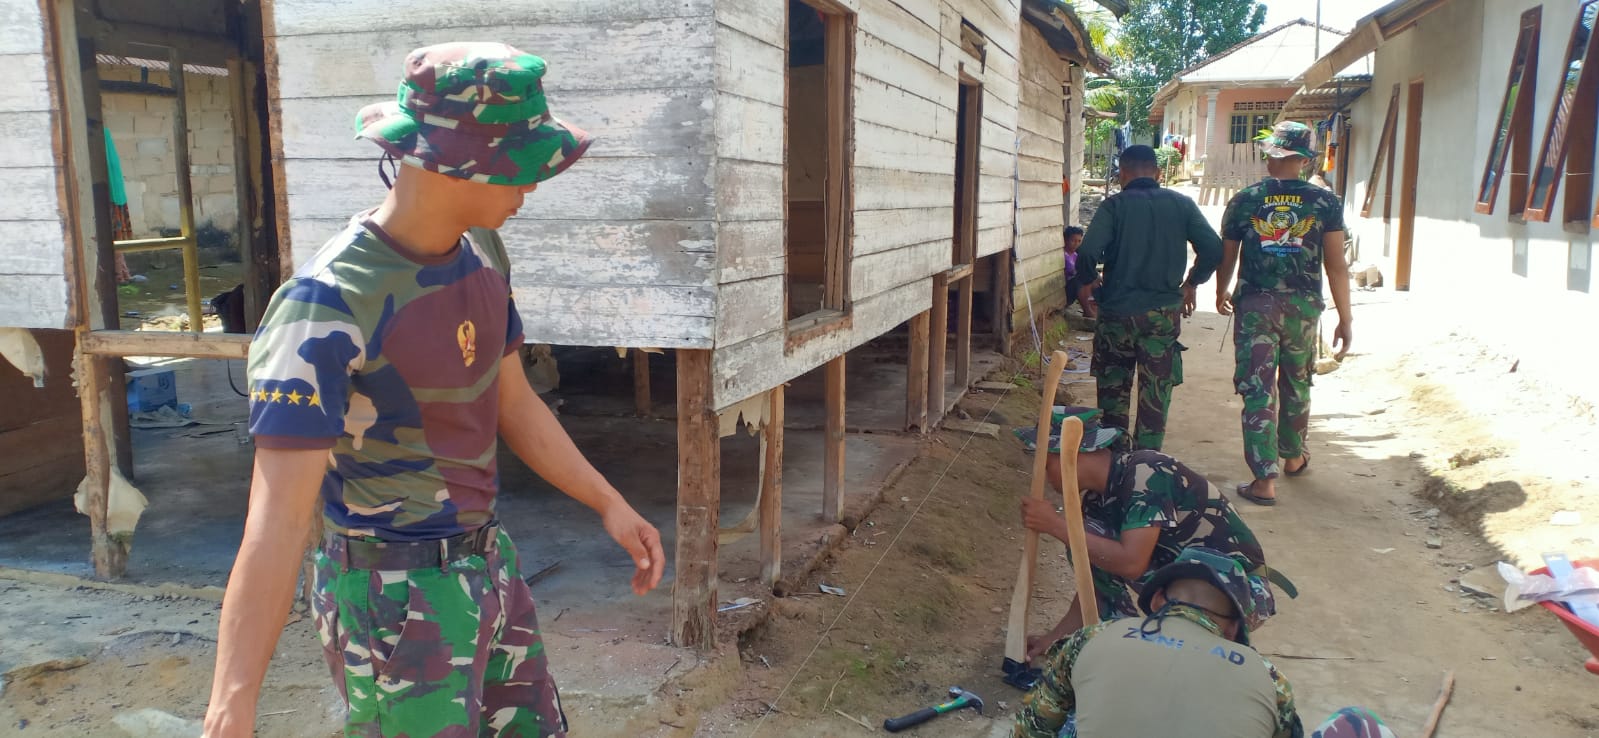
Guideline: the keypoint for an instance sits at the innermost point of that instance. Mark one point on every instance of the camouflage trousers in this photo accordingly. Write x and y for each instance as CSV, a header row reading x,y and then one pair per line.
x,y
1144,345
452,651
1274,343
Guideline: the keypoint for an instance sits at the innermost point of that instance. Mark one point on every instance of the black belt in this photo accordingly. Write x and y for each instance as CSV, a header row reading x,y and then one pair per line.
x,y
354,553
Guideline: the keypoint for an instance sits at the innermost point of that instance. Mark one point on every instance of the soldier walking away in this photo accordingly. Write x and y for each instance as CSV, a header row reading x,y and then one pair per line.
x,y
1140,236
1281,234
1140,511
380,379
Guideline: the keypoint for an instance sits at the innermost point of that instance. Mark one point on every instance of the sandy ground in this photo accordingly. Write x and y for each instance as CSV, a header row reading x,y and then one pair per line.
x,y
1380,619
928,574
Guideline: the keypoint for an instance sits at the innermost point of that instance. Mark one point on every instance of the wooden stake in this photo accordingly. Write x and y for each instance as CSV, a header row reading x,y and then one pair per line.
x,y
1444,693
963,336
1071,437
937,346
699,461
641,383
916,375
833,446
1021,602
771,508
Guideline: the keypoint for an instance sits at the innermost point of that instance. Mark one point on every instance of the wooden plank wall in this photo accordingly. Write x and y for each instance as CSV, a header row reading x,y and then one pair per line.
x,y
32,259
1041,267
906,85
618,251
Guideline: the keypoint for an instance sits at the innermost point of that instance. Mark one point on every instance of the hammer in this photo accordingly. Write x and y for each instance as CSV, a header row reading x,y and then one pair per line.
x,y
958,699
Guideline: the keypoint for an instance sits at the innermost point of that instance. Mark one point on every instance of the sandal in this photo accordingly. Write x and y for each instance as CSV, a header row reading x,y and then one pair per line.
x,y
1244,492
1303,467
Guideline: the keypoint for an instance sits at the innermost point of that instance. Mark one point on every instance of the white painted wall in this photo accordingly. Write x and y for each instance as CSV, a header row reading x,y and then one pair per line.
x,y
907,61
1462,260
33,287
619,250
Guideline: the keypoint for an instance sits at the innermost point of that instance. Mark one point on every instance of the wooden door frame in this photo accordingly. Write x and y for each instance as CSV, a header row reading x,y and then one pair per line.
x,y
1414,98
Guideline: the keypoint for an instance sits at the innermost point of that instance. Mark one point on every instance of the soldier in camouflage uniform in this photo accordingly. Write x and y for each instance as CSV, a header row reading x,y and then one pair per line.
x,y
1140,235
1185,669
381,379
1282,233
1141,509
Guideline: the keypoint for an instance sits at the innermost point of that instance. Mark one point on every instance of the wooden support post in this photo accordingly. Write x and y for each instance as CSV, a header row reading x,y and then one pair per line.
x,y
833,444
180,158
771,510
699,462
916,375
938,346
641,383
80,146
963,336
1004,296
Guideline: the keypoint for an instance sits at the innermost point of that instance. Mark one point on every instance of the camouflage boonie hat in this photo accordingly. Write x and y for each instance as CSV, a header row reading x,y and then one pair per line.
x,y
1209,565
1095,437
1287,139
474,111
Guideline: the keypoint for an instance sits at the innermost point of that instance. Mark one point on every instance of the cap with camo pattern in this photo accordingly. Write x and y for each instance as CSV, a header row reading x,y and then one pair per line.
x,y
1213,567
1287,139
475,111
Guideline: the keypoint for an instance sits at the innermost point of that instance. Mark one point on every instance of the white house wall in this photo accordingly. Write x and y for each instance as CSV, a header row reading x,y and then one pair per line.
x,y
620,250
1462,260
906,87
33,286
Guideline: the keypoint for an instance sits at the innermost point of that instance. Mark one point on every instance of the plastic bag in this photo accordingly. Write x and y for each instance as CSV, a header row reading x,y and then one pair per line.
x,y
1525,590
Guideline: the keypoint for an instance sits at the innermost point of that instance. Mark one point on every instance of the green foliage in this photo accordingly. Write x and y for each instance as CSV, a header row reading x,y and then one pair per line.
x,y
1164,37
1167,157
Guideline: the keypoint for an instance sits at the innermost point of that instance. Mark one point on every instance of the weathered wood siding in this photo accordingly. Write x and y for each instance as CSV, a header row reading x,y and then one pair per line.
x,y
617,251
908,58
33,286
1041,269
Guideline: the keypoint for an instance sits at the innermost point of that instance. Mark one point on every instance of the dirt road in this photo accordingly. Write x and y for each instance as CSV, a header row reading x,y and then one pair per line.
x,y
1379,621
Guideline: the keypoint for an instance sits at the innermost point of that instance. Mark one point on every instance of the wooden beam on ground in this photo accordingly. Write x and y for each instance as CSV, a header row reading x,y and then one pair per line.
x,y
833,443
916,375
641,383
938,346
963,337
771,506
166,343
699,462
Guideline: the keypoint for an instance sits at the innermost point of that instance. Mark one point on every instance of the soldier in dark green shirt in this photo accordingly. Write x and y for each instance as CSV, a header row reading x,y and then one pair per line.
x,y
1141,236
1283,233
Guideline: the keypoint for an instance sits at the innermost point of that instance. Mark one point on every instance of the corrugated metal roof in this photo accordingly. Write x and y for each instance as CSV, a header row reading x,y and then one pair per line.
x,y
1279,54
159,66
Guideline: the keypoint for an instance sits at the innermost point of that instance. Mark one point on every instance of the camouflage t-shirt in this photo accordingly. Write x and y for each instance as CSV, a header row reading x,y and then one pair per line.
x,y
1151,489
391,361
1279,224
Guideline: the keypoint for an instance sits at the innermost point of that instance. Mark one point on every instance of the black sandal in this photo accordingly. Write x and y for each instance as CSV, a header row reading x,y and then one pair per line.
x,y
1244,492
1305,467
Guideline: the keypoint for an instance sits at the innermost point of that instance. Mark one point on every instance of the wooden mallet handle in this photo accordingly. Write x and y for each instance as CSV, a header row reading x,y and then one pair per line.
x,y
1071,437
1022,597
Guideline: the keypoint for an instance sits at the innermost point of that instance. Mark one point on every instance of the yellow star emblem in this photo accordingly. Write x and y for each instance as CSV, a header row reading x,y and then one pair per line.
x,y
294,396
313,401
277,396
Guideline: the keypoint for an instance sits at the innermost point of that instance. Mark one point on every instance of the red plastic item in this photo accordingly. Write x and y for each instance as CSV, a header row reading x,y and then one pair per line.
x,y
1586,634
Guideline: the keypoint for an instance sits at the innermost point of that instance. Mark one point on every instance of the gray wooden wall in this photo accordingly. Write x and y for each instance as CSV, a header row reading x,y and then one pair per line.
x,y
33,287
1039,272
907,57
619,250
